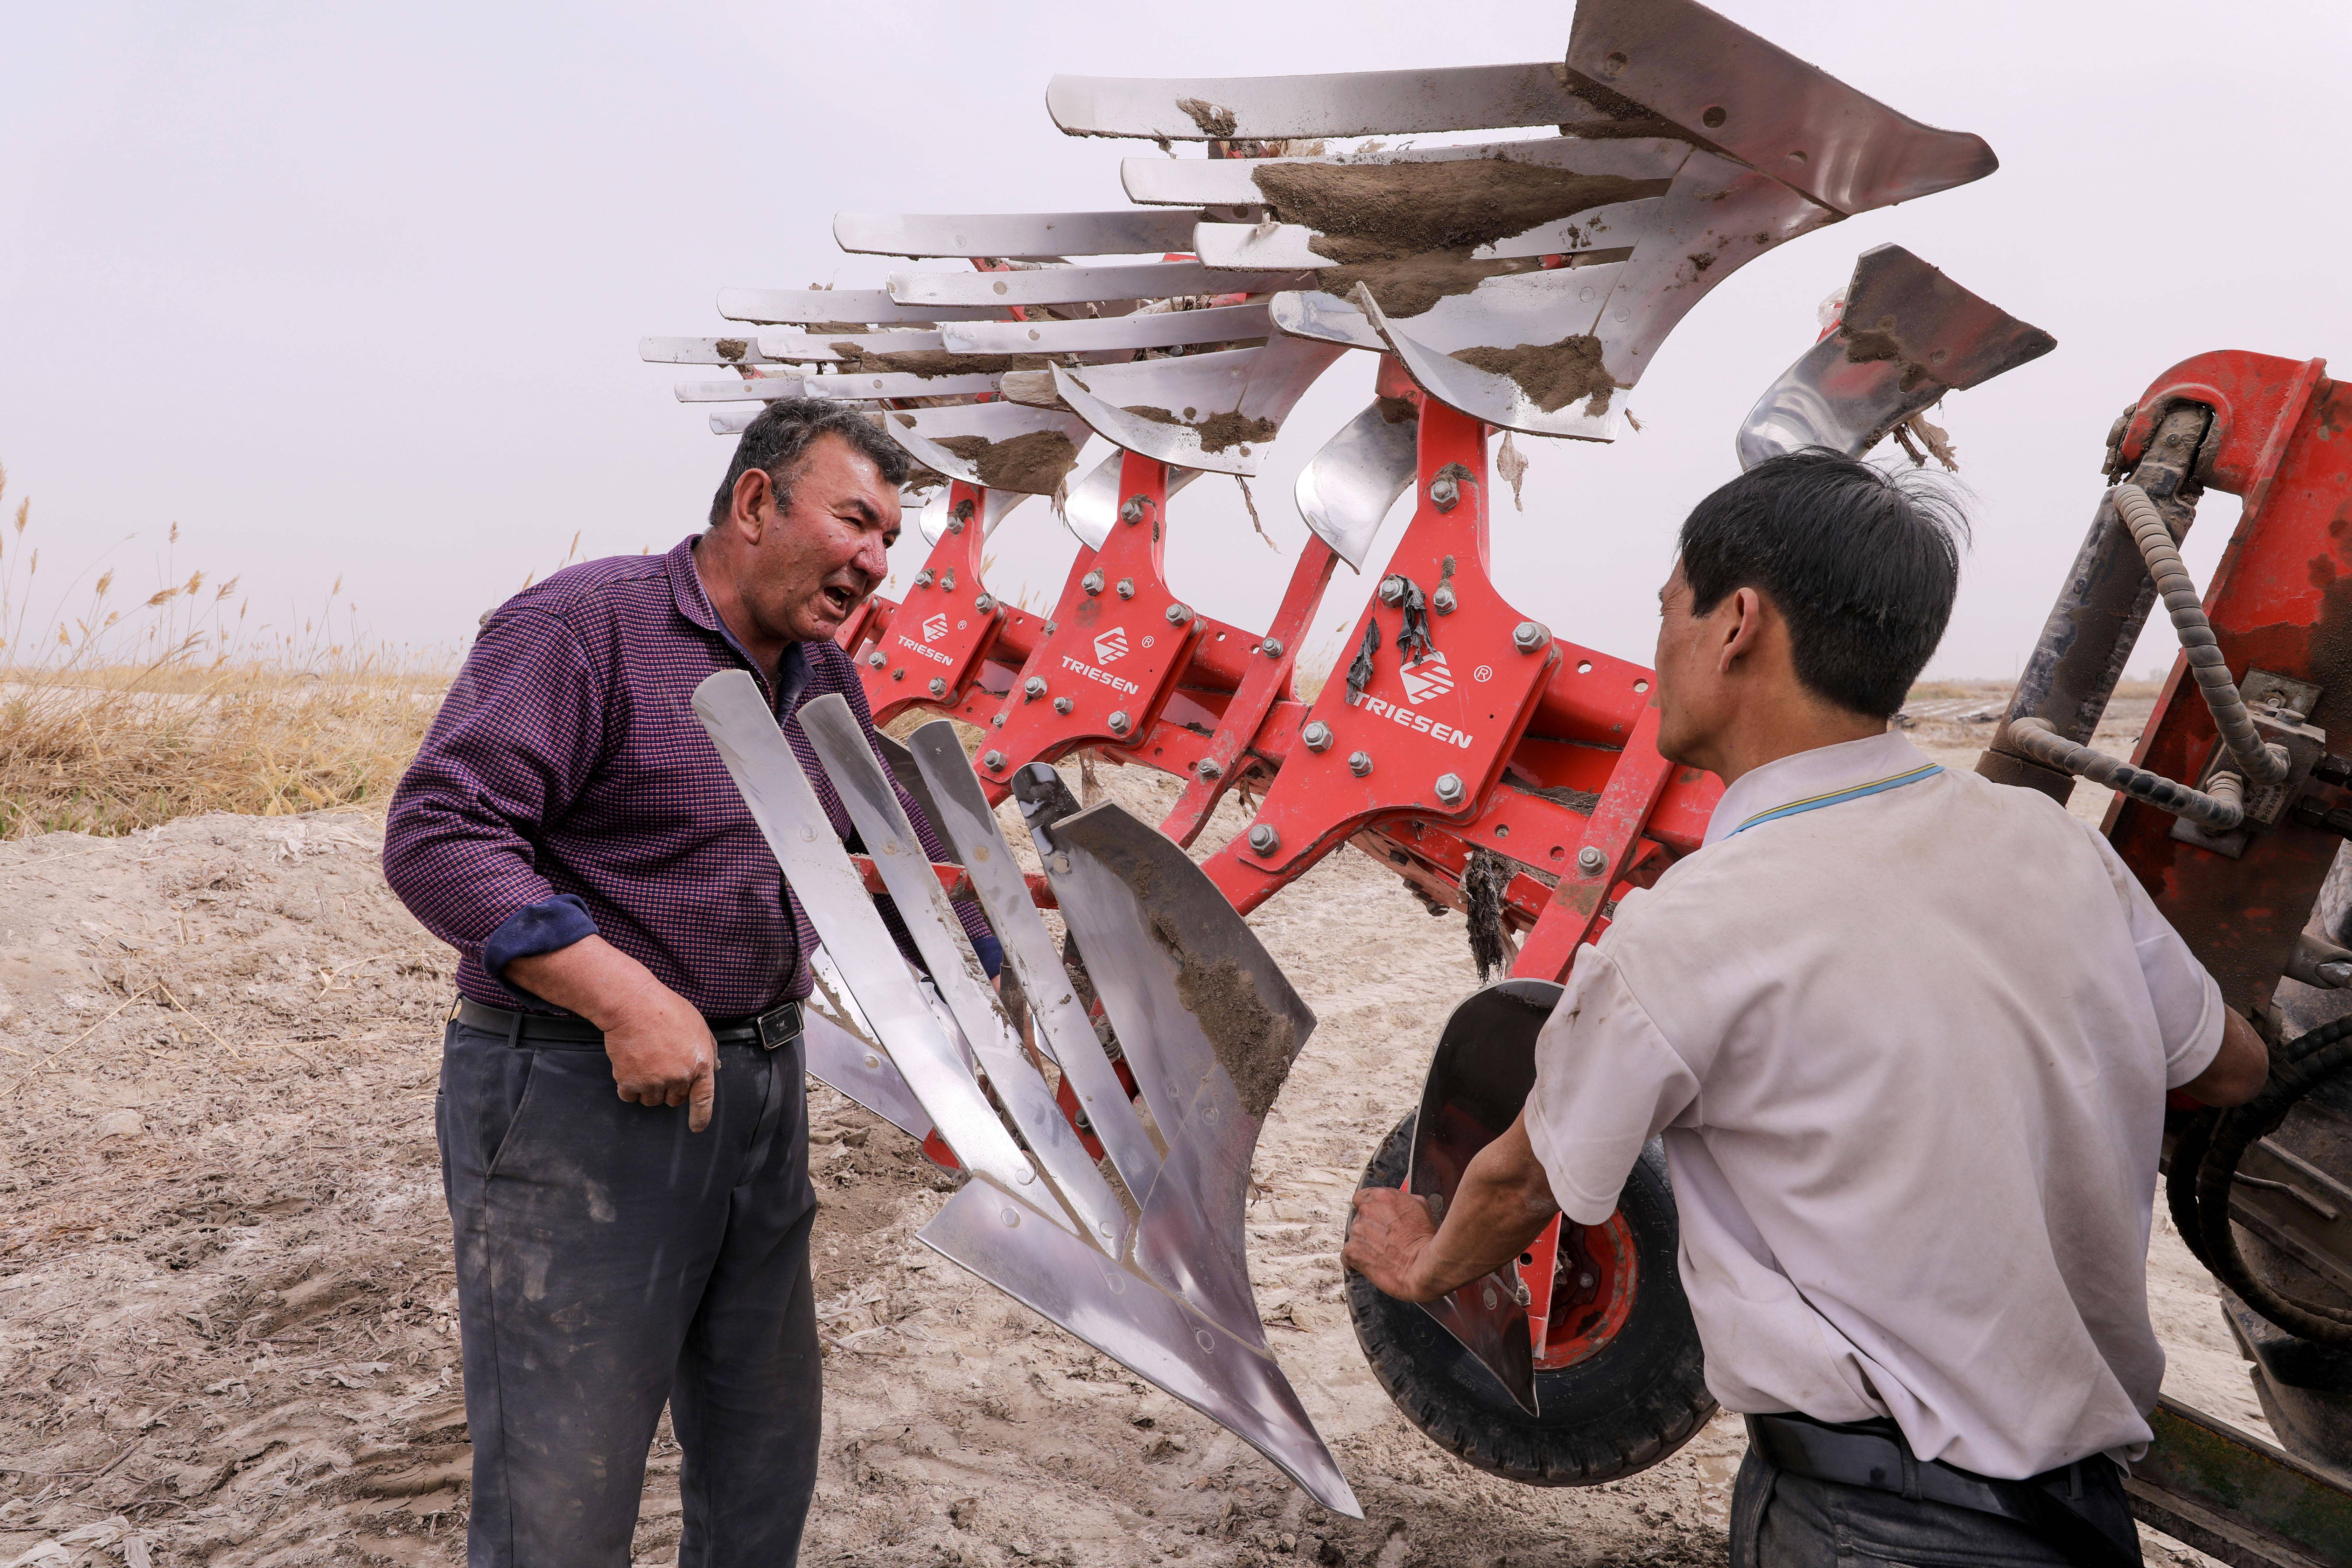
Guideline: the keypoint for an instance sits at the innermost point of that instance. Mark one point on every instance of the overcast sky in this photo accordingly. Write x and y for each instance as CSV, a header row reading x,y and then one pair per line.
x,y
356,291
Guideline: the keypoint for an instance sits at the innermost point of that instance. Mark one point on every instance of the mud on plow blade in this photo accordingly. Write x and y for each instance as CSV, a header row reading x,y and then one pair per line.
x,y
1144,1258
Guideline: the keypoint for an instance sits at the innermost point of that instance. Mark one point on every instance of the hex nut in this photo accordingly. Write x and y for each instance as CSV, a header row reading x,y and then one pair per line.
x,y
939,687
1131,509
1263,839
1360,763
947,581
876,658
1053,627
1530,636
1445,492
1441,601
1063,705
923,579
1449,789
984,604
1317,736
1272,648
1034,687
1208,768
992,760
1092,582
1127,587
1592,860
1120,723
1393,591
900,673
1179,614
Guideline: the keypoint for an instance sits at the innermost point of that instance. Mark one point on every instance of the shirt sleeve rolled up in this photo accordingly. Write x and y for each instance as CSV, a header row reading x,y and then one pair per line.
x,y
1606,1083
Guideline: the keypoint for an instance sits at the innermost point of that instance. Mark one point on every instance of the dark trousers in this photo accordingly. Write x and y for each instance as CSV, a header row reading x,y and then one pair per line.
x,y
1784,1521
609,1260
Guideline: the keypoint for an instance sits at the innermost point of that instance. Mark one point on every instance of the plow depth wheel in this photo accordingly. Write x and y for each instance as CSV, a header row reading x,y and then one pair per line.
x,y
1632,1391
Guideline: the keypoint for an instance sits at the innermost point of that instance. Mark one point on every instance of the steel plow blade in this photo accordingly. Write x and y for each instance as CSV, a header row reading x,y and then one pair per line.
x,y
1015,237
1146,328
1347,488
858,387
923,432
1174,409
1907,335
845,1056
1089,506
1076,285
1347,103
797,307
700,350
825,348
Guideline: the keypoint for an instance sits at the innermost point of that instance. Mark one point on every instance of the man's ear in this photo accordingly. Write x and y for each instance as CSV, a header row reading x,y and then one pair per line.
x,y
1743,628
752,490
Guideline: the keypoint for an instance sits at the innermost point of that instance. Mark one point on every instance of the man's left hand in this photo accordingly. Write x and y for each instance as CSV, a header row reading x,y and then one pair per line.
x,y
1392,1231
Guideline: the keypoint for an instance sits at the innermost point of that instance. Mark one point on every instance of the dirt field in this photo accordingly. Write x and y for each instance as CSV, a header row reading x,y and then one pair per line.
x,y
226,1321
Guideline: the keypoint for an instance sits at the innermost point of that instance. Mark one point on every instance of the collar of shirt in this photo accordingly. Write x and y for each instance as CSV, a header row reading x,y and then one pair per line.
x,y
786,681
1801,776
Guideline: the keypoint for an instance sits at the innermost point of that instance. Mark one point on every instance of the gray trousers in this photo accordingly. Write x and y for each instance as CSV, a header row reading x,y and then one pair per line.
x,y
609,1260
1781,1520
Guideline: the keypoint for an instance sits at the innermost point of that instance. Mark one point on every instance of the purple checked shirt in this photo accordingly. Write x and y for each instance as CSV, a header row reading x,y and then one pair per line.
x,y
566,789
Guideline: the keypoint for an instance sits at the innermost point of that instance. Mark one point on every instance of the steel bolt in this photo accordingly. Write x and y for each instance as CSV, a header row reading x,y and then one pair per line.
x,y
947,581
1530,636
1092,582
1063,705
1586,1281
876,658
1034,686
1593,860
1120,723
955,525
1393,591
1209,768
1127,587
1179,614
1271,647
1445,492
939,687
923,578
1131,509
1449,789
1317,736
1360,763
1442,600
900,673
984,604
1053,627
991,761
997,719
1263,839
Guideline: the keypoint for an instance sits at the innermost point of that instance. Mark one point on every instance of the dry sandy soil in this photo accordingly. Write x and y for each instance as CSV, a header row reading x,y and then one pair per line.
x,y
226,1321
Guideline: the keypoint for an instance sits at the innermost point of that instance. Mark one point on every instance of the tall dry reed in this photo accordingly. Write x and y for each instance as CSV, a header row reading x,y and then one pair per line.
x,y
118,713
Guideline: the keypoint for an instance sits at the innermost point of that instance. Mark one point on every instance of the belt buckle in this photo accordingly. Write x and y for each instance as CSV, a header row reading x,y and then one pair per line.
x,y
776,1026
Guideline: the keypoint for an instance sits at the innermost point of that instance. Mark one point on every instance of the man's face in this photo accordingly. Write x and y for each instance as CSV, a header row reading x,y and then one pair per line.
x,y
818,557
1690,683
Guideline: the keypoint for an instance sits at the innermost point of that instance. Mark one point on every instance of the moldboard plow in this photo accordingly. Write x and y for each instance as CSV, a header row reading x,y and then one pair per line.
x,y
1105,1105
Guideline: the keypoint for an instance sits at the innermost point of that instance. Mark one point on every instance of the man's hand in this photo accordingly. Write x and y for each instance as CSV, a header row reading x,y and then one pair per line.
x,y
1392,1231
662,1053
661,1050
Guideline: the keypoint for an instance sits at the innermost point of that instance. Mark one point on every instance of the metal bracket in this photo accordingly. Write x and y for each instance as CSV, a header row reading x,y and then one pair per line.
x,y
2278,705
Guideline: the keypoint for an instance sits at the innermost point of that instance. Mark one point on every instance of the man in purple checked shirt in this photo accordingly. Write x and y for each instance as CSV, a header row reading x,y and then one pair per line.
x,y
622,1116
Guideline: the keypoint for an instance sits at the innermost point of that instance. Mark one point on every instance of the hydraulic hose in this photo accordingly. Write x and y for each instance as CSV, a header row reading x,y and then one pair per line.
x,y
2263,763
2222,811
2313,1058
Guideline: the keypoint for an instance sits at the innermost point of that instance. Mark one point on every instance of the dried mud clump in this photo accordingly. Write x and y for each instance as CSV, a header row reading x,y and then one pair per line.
x,y
1035,464
1873,346
1252,1043
1217,432
860,360
1395,410
1553,375
1209,119
1407,230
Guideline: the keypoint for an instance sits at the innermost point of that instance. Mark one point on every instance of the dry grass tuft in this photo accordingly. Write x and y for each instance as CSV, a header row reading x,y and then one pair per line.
x,y
119,716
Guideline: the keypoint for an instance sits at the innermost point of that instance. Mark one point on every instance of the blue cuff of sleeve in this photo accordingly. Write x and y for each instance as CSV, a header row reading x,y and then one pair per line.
x,y
532,930
990,951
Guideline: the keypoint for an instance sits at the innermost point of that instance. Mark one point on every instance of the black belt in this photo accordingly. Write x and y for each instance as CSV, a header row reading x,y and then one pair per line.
x,y
1875,1455
777,1026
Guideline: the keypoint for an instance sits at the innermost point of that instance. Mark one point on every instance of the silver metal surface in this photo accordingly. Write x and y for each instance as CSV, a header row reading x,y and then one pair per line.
x,y
1129,891
1449,789
1259,384
740,389
787,307
1022,237
880,818
1349,103
1232,181
1792,120
778,795
1528,636
700,350
1929,335
817,348
1091,505
858,387
1591,859
1360,763
1138,330
1189,1356
1270,246
971,829
920,431
1317,736
1073,285
845,1055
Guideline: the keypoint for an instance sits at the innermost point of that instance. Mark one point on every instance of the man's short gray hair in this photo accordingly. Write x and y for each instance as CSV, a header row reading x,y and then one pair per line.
x,y
777,443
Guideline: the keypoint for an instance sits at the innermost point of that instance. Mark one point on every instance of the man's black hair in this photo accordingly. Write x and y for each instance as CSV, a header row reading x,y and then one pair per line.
x,y
778,441
1863,566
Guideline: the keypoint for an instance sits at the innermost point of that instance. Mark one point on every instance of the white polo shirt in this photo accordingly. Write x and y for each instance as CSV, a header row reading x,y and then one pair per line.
x,y
1906,1033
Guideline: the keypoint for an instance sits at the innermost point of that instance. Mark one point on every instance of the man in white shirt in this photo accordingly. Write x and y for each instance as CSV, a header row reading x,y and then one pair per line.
x,y
1906,1034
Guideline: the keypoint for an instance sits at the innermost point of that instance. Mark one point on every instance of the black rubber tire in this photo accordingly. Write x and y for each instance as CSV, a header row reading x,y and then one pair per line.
x,y
1643,1396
